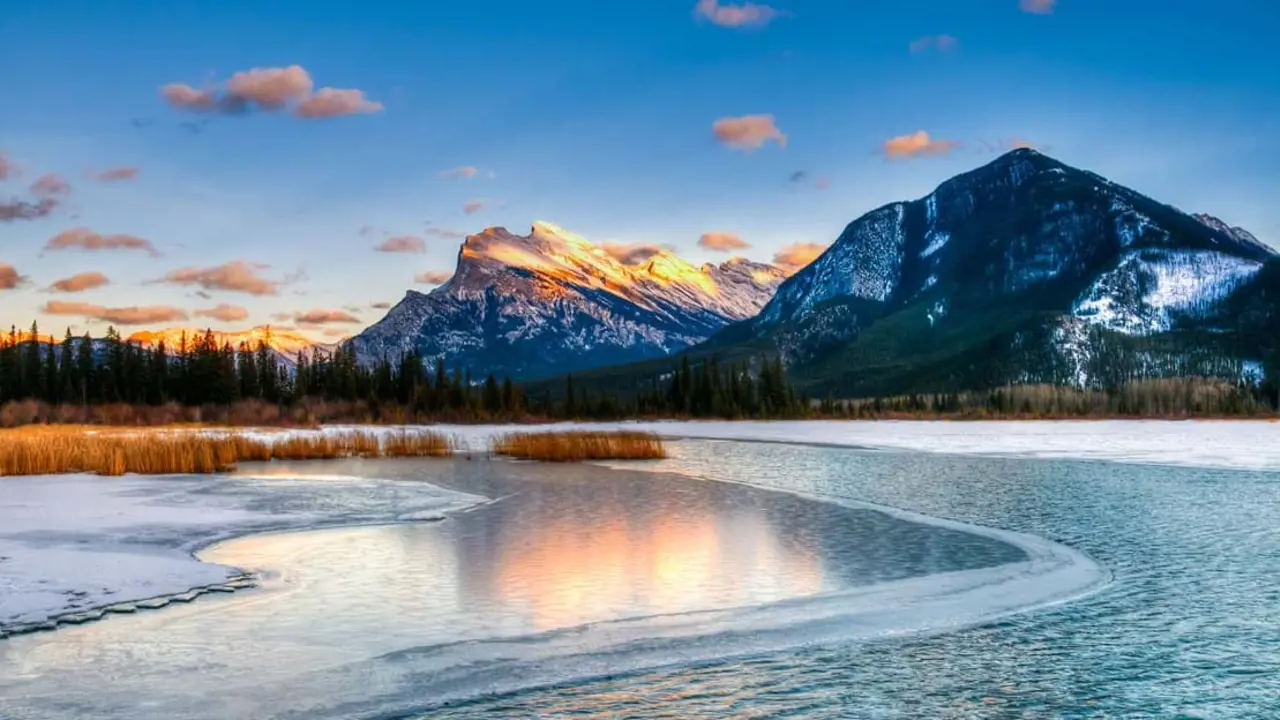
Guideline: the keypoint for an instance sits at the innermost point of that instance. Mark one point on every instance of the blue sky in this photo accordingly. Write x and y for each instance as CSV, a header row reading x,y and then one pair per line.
x,y
596,116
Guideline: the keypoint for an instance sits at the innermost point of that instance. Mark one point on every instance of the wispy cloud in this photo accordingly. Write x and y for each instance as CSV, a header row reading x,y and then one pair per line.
x,y
402,244
747,14
475,206
1004,145
115,174
432,277
632,253
380,306
324,317
50,185
1038,7
7,168
9,277
941,43
86,239
445,233
80,282
748,132
466,171
917,144
235,276
132,315
224,313
797,255
722,242
26,210
270,89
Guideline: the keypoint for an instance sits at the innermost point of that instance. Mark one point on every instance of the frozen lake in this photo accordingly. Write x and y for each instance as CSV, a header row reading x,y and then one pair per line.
x,y
840,582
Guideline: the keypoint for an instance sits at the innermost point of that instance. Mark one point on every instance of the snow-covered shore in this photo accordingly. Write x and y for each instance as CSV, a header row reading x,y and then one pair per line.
x,y
73,543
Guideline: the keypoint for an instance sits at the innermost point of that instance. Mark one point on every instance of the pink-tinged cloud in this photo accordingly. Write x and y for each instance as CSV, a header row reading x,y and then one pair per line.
x,y
475,206
9,277
7,168
917,144
324,317
329,102
335,333
432,277
1038,7
466,171
402,244
631,253
80,282
88,240
271,88
281,316
132,315
748,132
795,257
26,210
50,185
116,174
184,97
224,313
722,242
727,15
941,43
822,183
380,306
445,233
235,276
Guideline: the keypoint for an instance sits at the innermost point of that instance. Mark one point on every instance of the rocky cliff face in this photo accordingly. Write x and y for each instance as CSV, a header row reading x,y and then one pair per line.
x,y
551,302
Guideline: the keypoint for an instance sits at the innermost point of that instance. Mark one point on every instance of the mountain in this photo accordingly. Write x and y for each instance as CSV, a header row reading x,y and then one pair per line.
x,y
1024,270
286,343
549,302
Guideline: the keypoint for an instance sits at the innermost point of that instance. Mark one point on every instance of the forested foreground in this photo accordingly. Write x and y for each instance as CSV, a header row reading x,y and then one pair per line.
x,y
114,382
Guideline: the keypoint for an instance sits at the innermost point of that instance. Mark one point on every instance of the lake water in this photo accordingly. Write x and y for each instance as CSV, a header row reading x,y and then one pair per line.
x,y
581,591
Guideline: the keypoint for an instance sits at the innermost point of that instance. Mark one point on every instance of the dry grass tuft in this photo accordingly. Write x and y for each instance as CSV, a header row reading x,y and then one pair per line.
x,y
574,446
58,450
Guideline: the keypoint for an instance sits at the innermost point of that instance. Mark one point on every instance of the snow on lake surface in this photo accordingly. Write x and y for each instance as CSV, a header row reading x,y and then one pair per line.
x,y
71,543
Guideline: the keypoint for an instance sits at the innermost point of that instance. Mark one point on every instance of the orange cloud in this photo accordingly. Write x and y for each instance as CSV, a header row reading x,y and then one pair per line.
x,y
748,132
271,88
80,282
433,277
115,174
796,256
86,239
9,277
336,103
744,15
235,276
324,317
917,144
132,315
25,210
475,206
50,185
1038,7
335,333
466,171
402,244
721,242
941,43
631,253
225,313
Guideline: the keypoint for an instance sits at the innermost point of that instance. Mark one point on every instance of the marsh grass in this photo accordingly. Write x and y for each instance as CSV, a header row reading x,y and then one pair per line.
x,y
576,446
59,449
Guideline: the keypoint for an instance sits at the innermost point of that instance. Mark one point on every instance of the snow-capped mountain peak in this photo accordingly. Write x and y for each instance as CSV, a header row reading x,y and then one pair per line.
x,y
516,302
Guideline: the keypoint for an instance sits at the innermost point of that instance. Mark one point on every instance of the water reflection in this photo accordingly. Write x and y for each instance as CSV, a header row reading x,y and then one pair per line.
x,y
560,550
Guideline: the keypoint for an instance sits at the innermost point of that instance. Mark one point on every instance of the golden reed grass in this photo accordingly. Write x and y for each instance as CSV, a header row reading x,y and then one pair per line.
x,y
61,450
576,446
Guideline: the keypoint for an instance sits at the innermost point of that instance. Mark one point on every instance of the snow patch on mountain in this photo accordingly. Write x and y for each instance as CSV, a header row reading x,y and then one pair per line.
x,y
1149,289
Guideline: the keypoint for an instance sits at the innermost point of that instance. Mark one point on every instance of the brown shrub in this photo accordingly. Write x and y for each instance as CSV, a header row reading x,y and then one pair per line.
x,y
576,446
